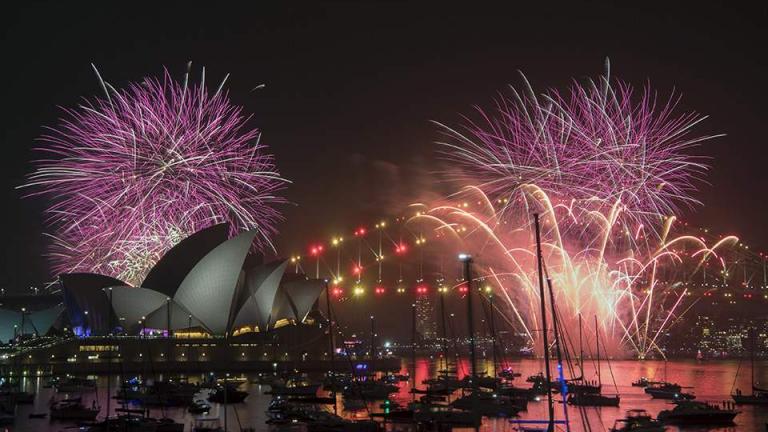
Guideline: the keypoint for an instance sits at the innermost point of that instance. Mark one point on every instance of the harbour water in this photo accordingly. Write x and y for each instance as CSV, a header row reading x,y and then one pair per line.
x,y
710,381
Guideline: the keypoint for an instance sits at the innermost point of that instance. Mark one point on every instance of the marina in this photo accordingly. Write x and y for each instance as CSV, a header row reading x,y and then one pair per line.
x,y
713,383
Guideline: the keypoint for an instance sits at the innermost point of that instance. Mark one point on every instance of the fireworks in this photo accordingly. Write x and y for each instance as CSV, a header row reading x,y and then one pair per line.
x,y
600,141
129,175
607,169
636,288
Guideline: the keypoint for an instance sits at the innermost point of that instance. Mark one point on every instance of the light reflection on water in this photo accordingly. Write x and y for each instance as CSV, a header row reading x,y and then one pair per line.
x,y
711,381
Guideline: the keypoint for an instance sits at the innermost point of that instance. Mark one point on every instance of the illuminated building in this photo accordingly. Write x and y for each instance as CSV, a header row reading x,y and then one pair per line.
x,y
426,326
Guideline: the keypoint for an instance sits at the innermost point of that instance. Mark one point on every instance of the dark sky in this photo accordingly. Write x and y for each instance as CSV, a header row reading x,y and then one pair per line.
x,y
351,89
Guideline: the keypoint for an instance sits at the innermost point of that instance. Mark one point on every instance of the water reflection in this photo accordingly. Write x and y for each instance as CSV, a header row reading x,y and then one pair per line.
x,y
712,381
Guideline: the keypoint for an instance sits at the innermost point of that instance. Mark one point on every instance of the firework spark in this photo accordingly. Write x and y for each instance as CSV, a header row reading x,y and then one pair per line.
x,y
129,175
608,169
637,288
600,141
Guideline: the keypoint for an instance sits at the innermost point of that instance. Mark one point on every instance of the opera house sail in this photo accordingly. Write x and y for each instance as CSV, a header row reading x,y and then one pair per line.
x,y
205,288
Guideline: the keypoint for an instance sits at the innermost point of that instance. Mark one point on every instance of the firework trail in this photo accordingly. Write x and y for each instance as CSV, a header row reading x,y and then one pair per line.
x,y
130,174
607,169
599,141
636,287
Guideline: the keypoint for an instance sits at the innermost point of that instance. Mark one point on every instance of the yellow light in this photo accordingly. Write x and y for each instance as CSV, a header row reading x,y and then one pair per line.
x,y
488,289
358,291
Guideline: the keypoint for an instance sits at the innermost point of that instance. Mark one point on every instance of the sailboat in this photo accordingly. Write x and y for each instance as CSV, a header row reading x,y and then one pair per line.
x,y
550,422
667,390
446,381
579,384
478,401
591,398
759,395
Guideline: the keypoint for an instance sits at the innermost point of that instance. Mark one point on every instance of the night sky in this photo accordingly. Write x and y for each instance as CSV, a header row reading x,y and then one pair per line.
x,y
351,89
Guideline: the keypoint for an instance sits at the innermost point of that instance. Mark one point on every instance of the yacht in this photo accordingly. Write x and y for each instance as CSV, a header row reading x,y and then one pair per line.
x,y
638,420
75,385
641,382
593,399
73,409
759,395
665,390
698,413
229,395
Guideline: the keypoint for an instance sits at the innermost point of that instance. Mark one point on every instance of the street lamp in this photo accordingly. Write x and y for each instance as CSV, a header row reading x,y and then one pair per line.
x,y
316,251
337,243
295,261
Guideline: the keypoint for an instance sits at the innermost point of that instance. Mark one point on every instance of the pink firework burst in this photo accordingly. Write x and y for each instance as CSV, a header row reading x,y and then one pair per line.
x,y
129,175
599,141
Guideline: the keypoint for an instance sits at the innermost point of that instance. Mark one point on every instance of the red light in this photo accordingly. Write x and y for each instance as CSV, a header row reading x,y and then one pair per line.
x,y
463,288
379,290
401,249
316,250
360,232
337,291
357,270
421,289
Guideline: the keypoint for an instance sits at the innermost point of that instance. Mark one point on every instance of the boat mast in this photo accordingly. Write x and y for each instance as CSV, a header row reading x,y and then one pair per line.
x,y
226,384
581,350
331,348
539,259
752,358
470,320
555,329
189,346
169,347
597,339
109,361
445,334
373,345
493,336
413,352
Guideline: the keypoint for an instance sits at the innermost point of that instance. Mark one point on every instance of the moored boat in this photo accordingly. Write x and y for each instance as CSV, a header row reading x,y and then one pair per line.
x,y
228,395
698,413
592,399
198,407
75,385
638,420
294,390
73,410
487,405
758,397
665,390
641,382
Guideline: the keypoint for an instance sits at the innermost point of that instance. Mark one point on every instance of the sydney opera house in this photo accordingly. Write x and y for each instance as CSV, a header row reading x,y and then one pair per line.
x,y
208,301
